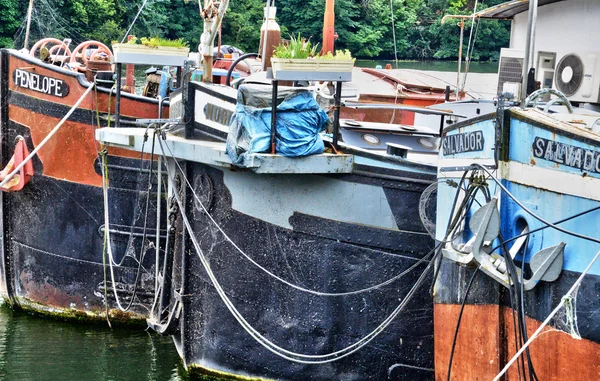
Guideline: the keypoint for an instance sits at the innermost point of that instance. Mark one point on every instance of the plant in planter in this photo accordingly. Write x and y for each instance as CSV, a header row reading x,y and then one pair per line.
x,y
299,55
152,50
296,48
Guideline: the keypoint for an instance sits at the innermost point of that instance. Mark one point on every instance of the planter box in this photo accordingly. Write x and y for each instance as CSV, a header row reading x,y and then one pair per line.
x,y
149,55
312,69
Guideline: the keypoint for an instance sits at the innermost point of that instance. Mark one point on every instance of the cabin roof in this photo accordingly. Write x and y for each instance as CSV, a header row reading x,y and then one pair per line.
x,y
509,9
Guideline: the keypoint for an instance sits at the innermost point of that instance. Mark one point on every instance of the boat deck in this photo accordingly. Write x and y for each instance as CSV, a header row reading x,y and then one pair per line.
x,y
478,85
213,153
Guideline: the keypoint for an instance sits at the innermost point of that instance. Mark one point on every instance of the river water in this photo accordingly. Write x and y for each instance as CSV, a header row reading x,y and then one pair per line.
x,y
36,349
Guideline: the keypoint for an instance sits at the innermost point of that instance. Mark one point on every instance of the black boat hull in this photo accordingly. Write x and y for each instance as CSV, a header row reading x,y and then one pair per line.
x,y
309,244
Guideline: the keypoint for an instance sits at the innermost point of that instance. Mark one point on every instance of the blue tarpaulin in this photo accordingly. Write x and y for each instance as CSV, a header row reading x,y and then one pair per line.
x,y
299,121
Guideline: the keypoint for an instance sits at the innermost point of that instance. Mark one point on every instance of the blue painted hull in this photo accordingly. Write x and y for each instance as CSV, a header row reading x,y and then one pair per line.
x,y
550,167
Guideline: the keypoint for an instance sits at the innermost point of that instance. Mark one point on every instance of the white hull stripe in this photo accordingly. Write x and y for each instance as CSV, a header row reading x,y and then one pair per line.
x,y
543,178
552,180
452,168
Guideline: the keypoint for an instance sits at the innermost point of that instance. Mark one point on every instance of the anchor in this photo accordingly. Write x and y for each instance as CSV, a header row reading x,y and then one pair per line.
x,y
546,264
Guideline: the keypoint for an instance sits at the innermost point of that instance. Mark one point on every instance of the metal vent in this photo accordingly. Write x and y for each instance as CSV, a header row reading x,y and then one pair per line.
x,y
511,70
569,74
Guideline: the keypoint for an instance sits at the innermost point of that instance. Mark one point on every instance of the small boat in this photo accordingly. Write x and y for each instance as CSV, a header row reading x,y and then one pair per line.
x,y
516,295
58,230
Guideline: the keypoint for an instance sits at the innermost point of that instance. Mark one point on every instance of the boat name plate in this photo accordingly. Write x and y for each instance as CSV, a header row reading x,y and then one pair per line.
x,y
566,154
40,83
465,142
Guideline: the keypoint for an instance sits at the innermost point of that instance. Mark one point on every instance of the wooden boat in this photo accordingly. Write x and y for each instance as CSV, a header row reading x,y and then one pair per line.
x,y
516,295
289,242
288,267
53,229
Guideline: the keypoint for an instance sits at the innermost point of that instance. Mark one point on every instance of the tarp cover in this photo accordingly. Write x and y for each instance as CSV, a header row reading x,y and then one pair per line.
x,y
299,121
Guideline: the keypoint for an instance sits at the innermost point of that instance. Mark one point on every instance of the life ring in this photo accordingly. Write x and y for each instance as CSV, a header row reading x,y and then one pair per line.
x,y
58,44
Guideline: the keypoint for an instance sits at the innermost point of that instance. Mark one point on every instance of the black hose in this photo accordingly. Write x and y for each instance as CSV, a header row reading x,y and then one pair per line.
x,y
240,58
460,314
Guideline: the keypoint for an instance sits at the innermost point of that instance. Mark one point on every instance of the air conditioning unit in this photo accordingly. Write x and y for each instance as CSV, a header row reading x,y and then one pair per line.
x,y
577,75
546,63
510,68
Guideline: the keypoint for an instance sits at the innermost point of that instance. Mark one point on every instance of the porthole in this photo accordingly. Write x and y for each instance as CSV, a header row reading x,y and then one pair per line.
x,y
426,143
371,139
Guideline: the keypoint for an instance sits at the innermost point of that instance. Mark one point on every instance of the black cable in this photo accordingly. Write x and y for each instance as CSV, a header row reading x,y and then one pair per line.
x,y
517,304
514,303
568,232
547,226
515,296
142,251
532,373
460,314
234,64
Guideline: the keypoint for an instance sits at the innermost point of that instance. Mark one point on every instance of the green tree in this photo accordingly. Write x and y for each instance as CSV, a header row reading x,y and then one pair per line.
x,y
10,22
241,26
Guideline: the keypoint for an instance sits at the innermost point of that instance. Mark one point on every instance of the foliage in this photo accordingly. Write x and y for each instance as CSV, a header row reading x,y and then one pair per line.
x,y
156,41
339,55
364,26
10,22
296,47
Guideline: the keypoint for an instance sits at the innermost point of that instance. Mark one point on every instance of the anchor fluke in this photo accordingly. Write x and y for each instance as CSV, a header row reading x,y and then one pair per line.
x,y
546,265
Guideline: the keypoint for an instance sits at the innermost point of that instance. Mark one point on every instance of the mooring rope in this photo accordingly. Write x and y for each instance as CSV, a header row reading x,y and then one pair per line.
x,y
299,288
266,343
568,296
134,20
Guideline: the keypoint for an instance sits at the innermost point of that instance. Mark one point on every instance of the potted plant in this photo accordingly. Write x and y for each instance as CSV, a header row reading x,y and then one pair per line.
x,y
155,50
300,55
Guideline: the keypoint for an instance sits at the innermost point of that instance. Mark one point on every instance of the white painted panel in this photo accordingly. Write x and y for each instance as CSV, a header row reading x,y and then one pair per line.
x,y
276,198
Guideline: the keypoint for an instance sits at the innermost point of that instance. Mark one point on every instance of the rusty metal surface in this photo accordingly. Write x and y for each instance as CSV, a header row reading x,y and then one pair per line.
x,y
510,9
486,337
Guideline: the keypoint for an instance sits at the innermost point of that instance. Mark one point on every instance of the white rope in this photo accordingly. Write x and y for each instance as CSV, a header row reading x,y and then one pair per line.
x,y
468,56
394,32
48,137
133,22
288,355
567,296
299,288
107,236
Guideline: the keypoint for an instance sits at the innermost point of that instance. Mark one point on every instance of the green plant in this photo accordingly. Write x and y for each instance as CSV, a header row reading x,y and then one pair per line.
x,y
339,55
157,41
154,42
297,47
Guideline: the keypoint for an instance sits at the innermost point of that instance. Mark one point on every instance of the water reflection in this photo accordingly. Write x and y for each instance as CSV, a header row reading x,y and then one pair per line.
x,y
38,349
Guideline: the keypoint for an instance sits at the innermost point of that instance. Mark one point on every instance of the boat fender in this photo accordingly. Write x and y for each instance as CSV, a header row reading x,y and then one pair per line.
x,y
20,179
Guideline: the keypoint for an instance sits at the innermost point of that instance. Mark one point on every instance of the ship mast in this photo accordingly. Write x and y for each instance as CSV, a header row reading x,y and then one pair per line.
x,y
328,27
529,42
212,14
28,24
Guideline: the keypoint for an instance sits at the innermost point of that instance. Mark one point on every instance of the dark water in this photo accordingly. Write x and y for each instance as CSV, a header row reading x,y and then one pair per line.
x,y
36,349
